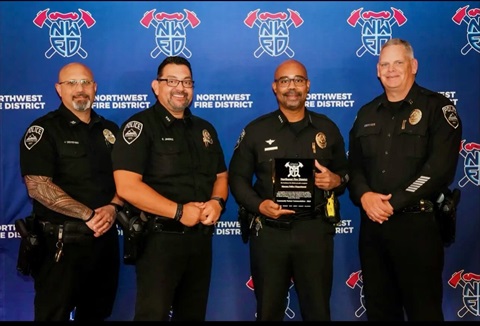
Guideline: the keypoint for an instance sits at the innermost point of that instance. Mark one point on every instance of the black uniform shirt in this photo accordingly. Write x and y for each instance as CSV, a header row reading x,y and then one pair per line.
x,y
179,158
410,152
272,136
77,156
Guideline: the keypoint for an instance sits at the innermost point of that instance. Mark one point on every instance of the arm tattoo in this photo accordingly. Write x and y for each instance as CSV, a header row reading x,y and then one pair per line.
x,y
53,197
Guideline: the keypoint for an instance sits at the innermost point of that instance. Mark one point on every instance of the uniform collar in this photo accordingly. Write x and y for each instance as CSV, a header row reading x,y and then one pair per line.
x,y
73,120
167,118
412,93
283,121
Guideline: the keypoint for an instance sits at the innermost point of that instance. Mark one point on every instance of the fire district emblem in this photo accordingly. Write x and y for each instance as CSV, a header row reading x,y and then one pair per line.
x,y
170,35
65,31
273,31
376,28
355,279
294,169
471,155
472,19
470,283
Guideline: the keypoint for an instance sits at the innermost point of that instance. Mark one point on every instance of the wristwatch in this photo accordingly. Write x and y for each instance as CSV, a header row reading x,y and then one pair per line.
x,y
221,201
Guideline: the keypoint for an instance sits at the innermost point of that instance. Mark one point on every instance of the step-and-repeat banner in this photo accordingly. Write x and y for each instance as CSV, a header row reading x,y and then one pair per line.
x,y
234,48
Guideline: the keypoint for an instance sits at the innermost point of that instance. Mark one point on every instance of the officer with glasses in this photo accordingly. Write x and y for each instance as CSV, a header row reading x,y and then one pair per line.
x,y
169,165
65,160
285,244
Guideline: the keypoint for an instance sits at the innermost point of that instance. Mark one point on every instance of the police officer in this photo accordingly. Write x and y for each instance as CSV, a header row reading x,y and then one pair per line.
x,y
65,159
286,244
403,150
169,165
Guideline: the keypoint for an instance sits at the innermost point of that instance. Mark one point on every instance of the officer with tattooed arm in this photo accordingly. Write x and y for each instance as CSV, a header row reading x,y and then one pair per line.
x,y
65,160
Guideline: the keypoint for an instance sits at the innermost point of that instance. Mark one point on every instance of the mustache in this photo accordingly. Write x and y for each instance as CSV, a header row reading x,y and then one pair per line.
x,y
291,92
84,95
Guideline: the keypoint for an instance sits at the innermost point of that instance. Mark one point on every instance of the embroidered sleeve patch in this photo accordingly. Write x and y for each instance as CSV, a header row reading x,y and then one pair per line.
x,y
450,114
239,140
132,131
33,136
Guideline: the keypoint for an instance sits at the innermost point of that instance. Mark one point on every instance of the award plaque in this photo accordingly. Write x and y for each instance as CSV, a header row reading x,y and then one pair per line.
x,y
293,183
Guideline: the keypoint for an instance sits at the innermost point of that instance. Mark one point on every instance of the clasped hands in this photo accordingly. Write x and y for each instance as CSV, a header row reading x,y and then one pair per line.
x,y
377,206
207,213
103,220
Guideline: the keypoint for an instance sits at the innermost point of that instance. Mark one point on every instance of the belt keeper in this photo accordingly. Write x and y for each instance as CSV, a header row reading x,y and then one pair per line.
x,y
178,213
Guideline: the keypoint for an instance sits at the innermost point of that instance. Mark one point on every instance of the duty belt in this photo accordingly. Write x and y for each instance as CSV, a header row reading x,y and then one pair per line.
x,y
74,232
286,223
159,224
423,206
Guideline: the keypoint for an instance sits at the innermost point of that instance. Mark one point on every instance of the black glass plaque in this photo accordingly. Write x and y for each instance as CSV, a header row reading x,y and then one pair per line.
x,y
293,183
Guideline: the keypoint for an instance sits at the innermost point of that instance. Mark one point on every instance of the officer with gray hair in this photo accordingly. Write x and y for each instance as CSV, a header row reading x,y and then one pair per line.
x,y
403,152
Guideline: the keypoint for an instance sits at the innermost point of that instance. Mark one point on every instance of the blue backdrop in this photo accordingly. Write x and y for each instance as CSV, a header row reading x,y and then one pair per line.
x,y
234,48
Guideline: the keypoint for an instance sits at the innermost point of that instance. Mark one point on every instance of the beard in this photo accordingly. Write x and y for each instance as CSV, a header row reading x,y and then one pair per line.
x,y
178,107
83,104
292,104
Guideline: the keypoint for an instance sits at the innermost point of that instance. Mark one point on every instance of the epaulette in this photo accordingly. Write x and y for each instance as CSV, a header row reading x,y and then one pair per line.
x,y
50,115
427,91
263,117
318,115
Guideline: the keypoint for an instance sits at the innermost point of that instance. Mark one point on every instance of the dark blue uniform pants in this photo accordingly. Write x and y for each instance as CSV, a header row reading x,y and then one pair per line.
x,y
303,254
402,263
173,277
85,279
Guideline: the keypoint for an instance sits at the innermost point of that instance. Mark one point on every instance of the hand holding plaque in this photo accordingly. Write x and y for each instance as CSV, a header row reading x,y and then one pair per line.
x,y
293,183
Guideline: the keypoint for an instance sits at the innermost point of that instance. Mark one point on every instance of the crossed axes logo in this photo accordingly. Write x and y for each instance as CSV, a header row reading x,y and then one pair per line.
x,y
170,33
470,283
376,28
65,31
273,31
472,19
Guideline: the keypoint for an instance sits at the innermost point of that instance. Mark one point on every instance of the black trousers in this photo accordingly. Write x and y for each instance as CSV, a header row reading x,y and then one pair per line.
x,y
173,277
303,255
402,262
85,279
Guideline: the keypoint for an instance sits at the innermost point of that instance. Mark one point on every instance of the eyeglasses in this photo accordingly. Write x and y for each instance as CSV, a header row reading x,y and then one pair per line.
x,y
187,83
75,82
285,81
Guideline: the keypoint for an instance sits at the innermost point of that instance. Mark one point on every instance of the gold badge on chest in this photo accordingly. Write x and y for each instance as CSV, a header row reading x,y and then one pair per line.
x,y
109,136
321,140
207,138
415,117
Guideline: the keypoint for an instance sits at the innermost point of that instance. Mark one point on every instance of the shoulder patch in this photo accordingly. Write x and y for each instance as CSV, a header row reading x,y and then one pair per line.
x,y
240,138
450,114
33,136
132,131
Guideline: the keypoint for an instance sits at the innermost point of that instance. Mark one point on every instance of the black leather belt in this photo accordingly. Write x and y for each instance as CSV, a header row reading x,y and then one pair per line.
x,y
50,228
286,223
278,224
423,206
74,232
168,225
